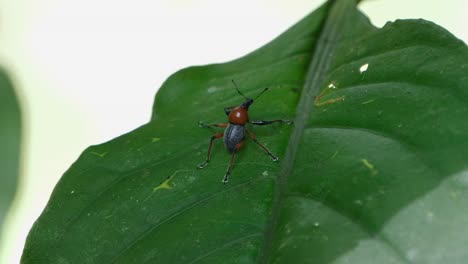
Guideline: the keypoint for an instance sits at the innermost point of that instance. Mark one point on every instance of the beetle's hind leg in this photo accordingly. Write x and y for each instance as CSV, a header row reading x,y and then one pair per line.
x,y
203,125
215,136
252,136
231,162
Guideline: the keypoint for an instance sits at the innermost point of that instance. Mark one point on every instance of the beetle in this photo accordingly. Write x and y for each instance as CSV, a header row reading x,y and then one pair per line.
x,y
235,132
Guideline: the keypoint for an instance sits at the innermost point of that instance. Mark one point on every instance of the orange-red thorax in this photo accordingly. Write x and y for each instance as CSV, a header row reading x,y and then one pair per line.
x,y
238,116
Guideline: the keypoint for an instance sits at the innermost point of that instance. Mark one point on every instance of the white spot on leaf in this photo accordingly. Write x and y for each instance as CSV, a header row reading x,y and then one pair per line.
x,y
364,68
212,89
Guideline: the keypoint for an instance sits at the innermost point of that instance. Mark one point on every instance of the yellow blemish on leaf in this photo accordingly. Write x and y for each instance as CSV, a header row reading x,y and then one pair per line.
x,y
330,101
155,139
165,184
317,101
370,166
99,154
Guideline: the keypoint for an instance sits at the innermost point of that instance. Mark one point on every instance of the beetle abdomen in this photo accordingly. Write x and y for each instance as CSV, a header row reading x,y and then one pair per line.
x,y
233,135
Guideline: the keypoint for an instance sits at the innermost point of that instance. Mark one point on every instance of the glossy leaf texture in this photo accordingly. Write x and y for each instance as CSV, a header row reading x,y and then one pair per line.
x,y
10,137
374,169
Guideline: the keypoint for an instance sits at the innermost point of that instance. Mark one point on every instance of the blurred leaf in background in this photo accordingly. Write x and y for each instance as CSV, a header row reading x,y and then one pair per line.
x,y
10,137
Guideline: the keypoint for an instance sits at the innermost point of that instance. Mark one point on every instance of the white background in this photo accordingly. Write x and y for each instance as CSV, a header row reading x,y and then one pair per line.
x,y
87,70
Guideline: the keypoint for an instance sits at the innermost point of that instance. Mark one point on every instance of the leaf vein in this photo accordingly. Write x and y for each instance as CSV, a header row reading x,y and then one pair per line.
x,y
157,225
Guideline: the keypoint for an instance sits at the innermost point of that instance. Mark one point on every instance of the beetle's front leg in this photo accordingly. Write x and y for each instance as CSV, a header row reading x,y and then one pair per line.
x,y
201,124
268,122
227,110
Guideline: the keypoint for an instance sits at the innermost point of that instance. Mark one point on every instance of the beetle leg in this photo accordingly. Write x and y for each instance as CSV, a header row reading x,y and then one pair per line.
x,y
252,136
231,162
203,164
228,109
267,122
201,124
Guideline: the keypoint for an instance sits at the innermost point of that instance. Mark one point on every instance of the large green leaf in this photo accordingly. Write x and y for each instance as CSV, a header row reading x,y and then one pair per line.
x,y
374,169
10,135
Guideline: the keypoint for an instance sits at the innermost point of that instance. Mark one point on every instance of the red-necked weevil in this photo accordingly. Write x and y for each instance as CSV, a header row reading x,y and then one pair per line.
x,y
234,134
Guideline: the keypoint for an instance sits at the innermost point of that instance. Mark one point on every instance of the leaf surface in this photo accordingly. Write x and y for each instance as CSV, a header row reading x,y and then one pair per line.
x,y
373,171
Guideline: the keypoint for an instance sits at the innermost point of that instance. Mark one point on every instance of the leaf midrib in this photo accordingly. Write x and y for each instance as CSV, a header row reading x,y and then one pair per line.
x,y
318,67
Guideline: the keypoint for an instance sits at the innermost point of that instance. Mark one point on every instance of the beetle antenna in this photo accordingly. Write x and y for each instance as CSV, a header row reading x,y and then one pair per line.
x,y
261,93
237,88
